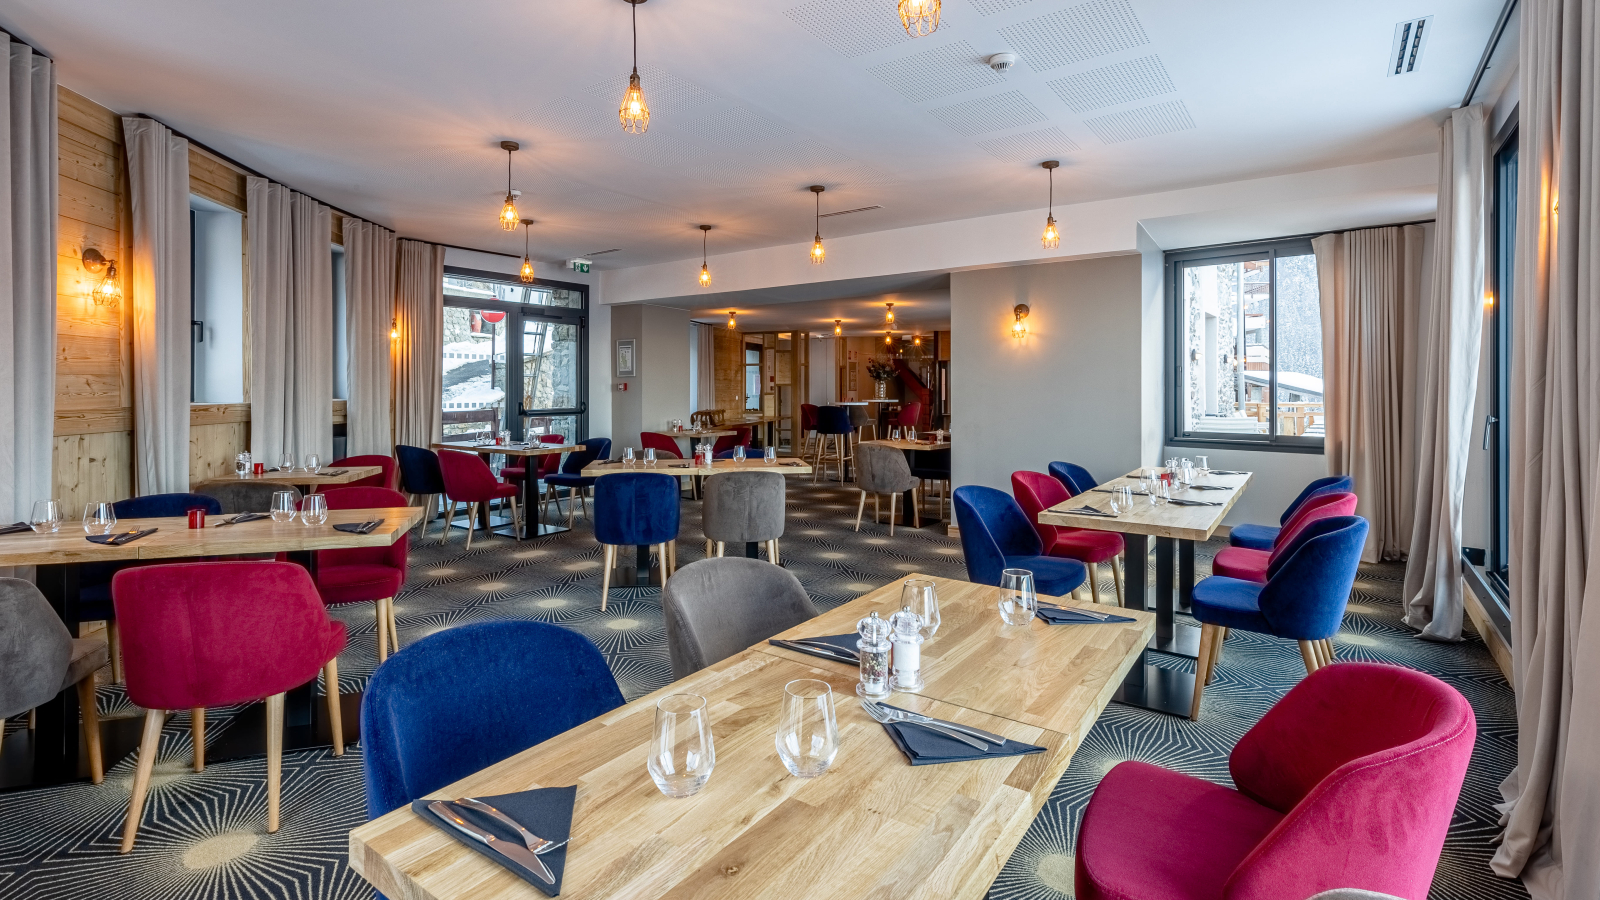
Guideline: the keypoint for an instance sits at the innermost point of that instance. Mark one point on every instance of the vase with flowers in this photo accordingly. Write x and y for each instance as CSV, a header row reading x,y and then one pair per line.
x,y
880,371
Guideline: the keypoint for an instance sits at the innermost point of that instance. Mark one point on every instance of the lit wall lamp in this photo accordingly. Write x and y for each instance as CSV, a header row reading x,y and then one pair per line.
x,y
1488,300
108,292
1019,329
916,340
394,329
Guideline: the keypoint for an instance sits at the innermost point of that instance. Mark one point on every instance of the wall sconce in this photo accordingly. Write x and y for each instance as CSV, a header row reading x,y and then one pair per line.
x,y
1019,329
108,292
394,328
1488,300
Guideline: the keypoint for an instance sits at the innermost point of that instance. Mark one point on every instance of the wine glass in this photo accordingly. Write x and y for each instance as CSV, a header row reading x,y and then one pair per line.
x,y
770,456
46,516
283,506
681,751
921,596
738,453
1018,602
627,456
314,509
286,463
650,457
808,732
313,463
99,518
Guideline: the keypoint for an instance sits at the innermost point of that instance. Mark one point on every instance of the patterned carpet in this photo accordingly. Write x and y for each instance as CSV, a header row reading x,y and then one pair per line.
x,y
203,836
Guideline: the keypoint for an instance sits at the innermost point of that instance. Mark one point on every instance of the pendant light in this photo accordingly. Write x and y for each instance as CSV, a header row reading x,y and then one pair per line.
x,y
634,112
888,316
916,339
508,213
817,253
838,328
888,339
920,17
732,325
527,261
705,269
1052,236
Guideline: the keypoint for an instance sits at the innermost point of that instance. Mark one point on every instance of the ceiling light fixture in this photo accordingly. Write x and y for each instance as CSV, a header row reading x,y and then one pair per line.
x,y
109,291
920,17
817,253
838,328
888,315
916,340
705,269
731,323
508,212
634,112
1052,235
527,261
888,338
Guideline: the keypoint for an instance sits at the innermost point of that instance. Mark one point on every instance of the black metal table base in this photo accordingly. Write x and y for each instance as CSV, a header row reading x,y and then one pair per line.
x,y
1152,687
1148,686
640,574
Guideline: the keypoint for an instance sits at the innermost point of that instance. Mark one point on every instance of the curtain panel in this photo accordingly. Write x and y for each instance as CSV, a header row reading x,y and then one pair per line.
x,y
158,279
705,367
1552,809
28,205
419,349
291,324
369,262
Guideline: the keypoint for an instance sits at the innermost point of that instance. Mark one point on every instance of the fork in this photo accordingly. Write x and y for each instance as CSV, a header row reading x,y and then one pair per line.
x,y
884,717
534,843
1073,609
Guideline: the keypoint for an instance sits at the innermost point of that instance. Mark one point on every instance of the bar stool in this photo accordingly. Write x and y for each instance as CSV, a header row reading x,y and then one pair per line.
x,y
635,509
742,508
861,420
833,422
808,427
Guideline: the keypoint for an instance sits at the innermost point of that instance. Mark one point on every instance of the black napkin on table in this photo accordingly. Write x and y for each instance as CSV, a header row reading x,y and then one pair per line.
x,y
1177,502
845,642
1209,487
1087,510
1226,472
120,538
926,747
1060,615
547,812
241,518
359,527
16,529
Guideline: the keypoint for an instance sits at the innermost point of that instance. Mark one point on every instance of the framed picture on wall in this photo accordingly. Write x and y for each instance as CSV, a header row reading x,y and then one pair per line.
x,y
627,365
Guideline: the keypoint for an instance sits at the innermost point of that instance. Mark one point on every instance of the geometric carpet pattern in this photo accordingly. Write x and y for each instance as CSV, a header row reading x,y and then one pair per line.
x,y
203,835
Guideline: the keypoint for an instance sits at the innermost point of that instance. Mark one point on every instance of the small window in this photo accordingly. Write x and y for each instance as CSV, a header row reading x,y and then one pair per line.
x,y
1497,426
752,376
216,303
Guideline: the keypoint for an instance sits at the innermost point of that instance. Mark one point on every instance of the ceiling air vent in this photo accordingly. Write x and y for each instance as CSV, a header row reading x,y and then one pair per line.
x,y
1409,39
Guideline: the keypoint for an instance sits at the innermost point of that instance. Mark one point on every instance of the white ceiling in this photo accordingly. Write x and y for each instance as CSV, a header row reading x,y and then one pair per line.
x,y
395,111
921,303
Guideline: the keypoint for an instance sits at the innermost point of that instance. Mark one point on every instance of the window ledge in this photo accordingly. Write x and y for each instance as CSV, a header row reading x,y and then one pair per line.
x,y
1263,446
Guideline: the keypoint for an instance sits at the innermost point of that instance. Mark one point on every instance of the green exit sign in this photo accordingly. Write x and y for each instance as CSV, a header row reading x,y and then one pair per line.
x,y
580,265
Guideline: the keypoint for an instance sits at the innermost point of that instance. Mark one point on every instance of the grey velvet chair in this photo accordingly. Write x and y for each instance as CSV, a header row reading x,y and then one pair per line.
x,y
883,470
741,507
39,659
242,495
715,608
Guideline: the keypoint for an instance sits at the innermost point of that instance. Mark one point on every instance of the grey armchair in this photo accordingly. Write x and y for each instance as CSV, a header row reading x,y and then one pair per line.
x,y
39,659
883,470
242,495
744,507
715,608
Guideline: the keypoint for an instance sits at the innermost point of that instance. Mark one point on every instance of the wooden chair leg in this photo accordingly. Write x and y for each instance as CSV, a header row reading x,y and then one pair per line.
x,y
916,508
672,557
149,745
114,646
91,728
381,635
775,552
394,627
449,516
1208,638
862,508
330,688
710,548
472,522
1116,575
33,720
607,554
1327,651
722,548
1216,654
1094,583
1308,653
892,499
197,736
274,759
516,517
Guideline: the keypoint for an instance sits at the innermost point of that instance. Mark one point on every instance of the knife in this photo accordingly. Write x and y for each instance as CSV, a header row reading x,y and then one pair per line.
x,y
1069,609
825,651
920,719
824,645
522,856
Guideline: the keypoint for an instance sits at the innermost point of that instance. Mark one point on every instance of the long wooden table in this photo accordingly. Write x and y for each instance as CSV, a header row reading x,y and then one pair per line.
x,y
530,505
1175,529
872,826
325,477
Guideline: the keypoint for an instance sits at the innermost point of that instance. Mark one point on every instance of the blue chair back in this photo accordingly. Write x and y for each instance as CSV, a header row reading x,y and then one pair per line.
x,y
161,506
1307,588
993,527
1329,485
1075,478
636,508
593,449
428,720
419,470
833,420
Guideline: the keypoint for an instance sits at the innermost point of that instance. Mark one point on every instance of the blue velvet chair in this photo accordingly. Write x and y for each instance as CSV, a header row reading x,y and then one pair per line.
x,y
996,535
636,509
833,444
94,591
421,476
1075,478
571,477
428,719
1303,600
1262,537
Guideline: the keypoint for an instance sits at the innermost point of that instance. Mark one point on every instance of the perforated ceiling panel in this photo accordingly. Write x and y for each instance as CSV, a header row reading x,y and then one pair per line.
x,y
990,7
1112,85
1030,146
986,114
851,27
1076,33
1162,118
936,73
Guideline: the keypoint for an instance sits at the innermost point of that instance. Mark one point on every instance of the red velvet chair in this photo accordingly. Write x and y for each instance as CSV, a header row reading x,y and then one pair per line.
x,y
468,479
366,574
808,427
665,447
739,438
547,464
1036,492
1251,565
384,479
1349,781
198,635
908,417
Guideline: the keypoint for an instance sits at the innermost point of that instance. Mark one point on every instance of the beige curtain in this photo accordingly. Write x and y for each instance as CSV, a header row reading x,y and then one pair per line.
x,y
158,282
1552,810
1370,283
705,382
369,261
419,349
1448,374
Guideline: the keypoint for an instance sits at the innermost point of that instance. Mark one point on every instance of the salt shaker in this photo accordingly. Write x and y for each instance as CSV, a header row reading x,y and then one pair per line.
x,y
907,637
874,646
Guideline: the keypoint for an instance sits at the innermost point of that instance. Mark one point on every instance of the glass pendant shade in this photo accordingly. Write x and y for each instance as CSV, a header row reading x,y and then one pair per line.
x,y
108,292
634,112
817,253
1052,236
508,214
920,17
838,327
527,271
705,275
731,323
888,315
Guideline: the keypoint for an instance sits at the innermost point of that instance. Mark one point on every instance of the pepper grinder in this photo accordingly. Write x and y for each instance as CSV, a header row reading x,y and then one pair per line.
x,y
874,646
907,637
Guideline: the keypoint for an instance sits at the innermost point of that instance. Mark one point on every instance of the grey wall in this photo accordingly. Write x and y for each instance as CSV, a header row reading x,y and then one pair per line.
x,y
660,390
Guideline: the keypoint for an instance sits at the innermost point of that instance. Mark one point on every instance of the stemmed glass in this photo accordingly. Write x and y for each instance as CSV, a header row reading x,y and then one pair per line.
x,y
99,518
808,732
314,509
283,504
46,516
921,597
1018,602
313,463
681,751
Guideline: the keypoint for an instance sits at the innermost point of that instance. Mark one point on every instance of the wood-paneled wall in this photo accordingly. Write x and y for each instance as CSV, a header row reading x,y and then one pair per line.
x,y
727,361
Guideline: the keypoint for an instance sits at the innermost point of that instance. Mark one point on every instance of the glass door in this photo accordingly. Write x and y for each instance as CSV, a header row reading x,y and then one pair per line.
x,y
551,358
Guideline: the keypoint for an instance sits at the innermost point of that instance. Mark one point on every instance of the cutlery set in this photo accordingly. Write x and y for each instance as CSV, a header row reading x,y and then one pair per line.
x,y
117,540
974,737
526,856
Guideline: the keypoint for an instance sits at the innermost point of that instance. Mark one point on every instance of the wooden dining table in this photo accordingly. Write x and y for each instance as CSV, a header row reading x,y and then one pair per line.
x,y
1175,529
532,527
314,481
871,826
59,556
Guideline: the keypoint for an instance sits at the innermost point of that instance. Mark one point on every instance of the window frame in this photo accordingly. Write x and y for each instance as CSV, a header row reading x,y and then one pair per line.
x,y
1501,274
1176,260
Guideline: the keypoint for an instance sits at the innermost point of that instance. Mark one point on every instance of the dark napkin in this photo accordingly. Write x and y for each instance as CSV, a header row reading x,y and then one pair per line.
x,y
1109,491
926,747
1208,487
547,812
1087,510
845,642
1060,615
117,539
16,529
360,528
1226,472
335,472
241,518
1177,502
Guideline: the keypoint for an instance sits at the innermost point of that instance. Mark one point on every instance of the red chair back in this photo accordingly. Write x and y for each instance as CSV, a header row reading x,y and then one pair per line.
x,y
550,463
384,479
910,415
739,438
665,447
467,478
808,418
1035,493
393,555
219,633
1321,506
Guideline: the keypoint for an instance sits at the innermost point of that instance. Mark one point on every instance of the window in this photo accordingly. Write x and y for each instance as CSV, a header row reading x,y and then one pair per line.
x,y
1497,431
341,329
216,303
1246,344
752,376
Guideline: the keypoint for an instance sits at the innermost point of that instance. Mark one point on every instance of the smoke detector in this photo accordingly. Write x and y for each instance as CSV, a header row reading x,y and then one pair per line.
x,y
1002,62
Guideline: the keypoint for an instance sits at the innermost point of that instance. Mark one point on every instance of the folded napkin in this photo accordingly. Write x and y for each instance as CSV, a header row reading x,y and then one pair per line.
x,y
16,529
247,517
1209,487
117,539
335,472
547,812
845,642
1226,472
1087,510
926,747
359,527
1177,502
1061,615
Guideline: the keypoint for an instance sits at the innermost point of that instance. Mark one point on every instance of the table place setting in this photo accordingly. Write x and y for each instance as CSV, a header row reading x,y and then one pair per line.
x,y
1066,615
117,540
1087,510
526,832
927,741
1179,501
242,518
837,647
359,527
17,528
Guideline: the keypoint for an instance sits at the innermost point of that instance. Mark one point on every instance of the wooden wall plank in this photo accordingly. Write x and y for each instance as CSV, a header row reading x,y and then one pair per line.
x,y
91,467
216,180
203,414
212,449
79,354
88,203
85,113
93,421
